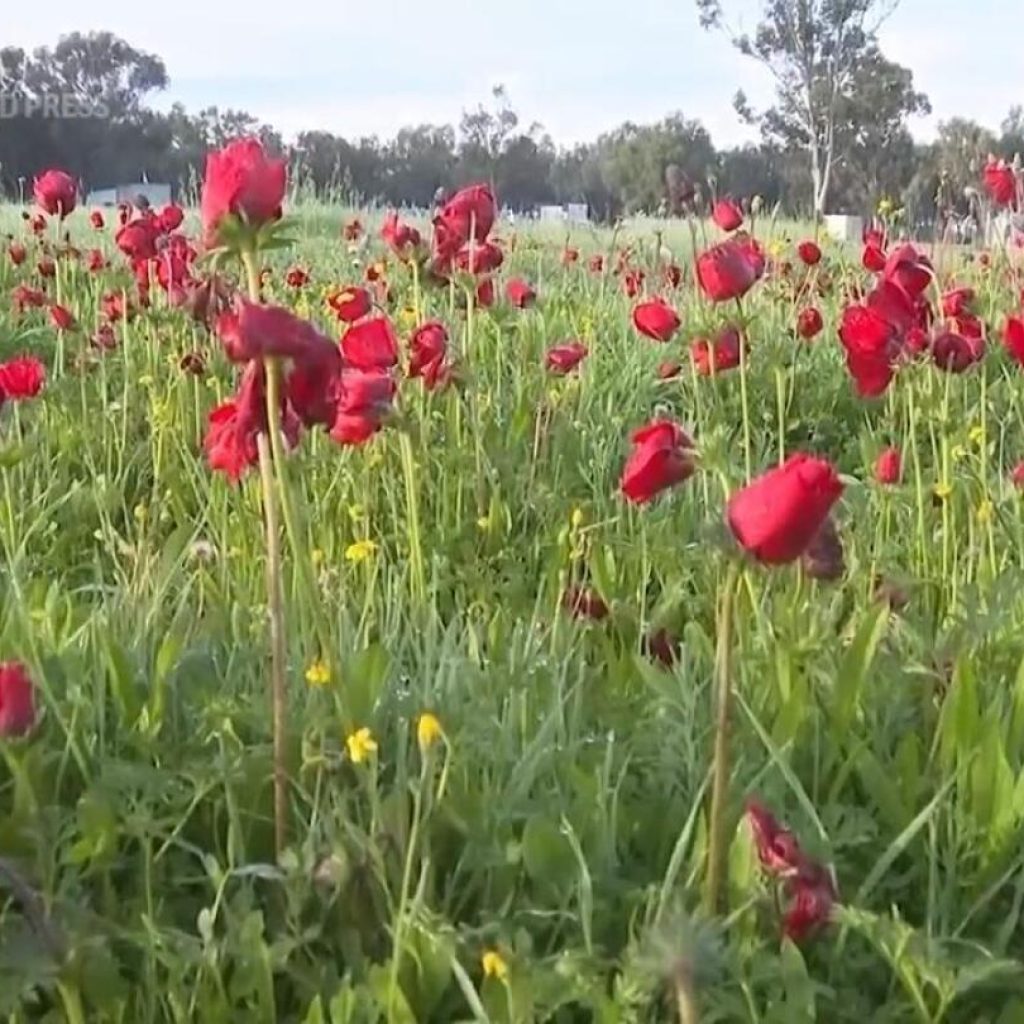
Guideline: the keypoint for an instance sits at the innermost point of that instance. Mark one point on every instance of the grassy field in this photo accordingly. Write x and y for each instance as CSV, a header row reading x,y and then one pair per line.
x,y
535,849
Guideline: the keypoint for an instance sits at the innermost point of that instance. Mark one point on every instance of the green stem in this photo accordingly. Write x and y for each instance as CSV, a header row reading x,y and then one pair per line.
x,y
686,1001
403,897
419,585
720,764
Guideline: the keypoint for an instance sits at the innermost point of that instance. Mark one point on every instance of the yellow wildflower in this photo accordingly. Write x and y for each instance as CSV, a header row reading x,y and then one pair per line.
x,y
140,512
318,673
577,518
428,730
958,453
318,557
494,965
361,745
484,523
943,491
884,205
986,511
977,434
360,551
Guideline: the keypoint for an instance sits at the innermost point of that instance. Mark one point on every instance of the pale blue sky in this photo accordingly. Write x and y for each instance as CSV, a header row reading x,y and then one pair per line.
x,y
578,67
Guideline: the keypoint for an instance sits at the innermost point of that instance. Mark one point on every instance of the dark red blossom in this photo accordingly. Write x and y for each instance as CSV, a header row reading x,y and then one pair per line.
x,y
662,457
252,331
519,293
563,359
17,701
656,319
21,378
713,357
583,602
370,345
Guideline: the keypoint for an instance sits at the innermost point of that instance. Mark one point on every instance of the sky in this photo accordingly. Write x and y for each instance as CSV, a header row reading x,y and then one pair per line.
x,y
579,67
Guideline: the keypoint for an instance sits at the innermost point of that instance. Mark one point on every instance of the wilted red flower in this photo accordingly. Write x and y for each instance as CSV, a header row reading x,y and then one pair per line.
x,y
479,257
233,427
1013,338
672,275
662,457
728,270
809,253
38,224
777,848
403,239
114,306
889,467
909,269
873,258
956,353
170,218
350,304
584,603
570,256
776,516
370,345
252,331
55,191
563,359
95,261
96,220
724,353
1000,182
62,317
428,347
596,263
633,282
809,323
104,338
470,213
485,293
21,378
17,702
669,369
352,230
46,267
296,278
137,240
23,297
663,646
364,401
957,302
17,253
241,180
656,319
727,214
519,293
193,363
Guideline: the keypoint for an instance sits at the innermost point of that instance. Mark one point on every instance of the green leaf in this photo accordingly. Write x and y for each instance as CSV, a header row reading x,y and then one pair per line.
x,y
547,855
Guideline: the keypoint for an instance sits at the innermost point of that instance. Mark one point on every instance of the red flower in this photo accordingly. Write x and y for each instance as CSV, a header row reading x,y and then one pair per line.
x,y
889,467
672,275
1017,475
776,516
170,218
584,603
17,253
370,345
312,387
352,230
669,369
723,353
871,345
1000,182
38,224
519,293
910,269
563,359
428,346
241,180
470,213
485,293
350,304
596,263
570,256
55,192
364,401
46,267
253,331
1013,338
104,338
727,214
813,896
233,427
728,270
113,306
809,323
24,298
62,318
956,353
96,220
809,252
479,257
21,378
662,457
777,848
137,240
96,261
633,282
873,258
663,646
17,703
957,302
656,319
124,213
403,239
296,278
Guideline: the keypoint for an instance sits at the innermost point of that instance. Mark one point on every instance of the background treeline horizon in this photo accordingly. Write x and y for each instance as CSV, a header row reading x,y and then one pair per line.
x,y
621,172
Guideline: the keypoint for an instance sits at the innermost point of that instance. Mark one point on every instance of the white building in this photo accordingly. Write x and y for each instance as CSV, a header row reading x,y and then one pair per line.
x,y
157,193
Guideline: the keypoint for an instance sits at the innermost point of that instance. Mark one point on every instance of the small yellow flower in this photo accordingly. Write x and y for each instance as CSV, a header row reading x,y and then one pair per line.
x,y
884,206
986,511
958,453
977,434
483,523
428,730
356,511
360,551
577,518
318,557
776,247
361,745
140,512
318,673
494,966
943,491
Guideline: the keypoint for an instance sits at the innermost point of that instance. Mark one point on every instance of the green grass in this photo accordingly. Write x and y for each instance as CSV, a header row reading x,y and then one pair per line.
x,y
561,821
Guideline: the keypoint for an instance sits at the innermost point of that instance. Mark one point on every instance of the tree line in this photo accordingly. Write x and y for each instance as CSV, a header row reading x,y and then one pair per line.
x,y
847,153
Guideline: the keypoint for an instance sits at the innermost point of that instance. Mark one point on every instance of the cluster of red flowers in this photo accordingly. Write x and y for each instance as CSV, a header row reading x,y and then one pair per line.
x,y
806,885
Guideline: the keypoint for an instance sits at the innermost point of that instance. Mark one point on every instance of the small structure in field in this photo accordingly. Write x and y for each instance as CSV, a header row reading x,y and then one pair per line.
x,y
569,213
844,228
158,194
